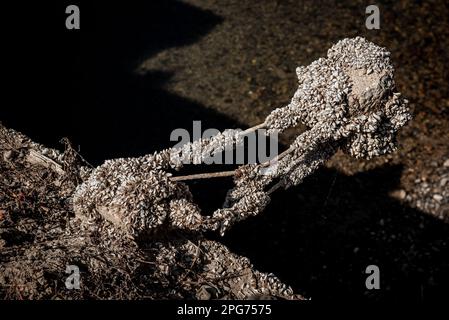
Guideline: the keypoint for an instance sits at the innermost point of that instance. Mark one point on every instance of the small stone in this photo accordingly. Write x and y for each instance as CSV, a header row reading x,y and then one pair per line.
x,y
443,182
446,163
398,194
438,197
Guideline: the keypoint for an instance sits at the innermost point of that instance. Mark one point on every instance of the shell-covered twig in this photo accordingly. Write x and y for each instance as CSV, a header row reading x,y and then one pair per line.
x,y
347,100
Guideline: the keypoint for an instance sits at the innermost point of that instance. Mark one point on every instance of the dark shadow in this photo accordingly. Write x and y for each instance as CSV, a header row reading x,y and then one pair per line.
x,y
320,236
84,83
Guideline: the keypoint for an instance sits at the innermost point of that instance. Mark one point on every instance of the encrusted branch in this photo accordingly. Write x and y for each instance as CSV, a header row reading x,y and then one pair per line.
x,y
348,100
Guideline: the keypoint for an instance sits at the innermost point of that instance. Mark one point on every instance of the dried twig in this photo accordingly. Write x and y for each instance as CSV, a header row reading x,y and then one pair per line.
x,y
208,175
37,158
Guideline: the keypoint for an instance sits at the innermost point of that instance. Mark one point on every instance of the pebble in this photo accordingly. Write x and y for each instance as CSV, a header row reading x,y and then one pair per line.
x,y
438,197
399,194
446,163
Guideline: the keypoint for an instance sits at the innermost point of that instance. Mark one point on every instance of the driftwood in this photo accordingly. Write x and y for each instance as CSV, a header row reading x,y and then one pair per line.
x,y
35,157
348,100
36,202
